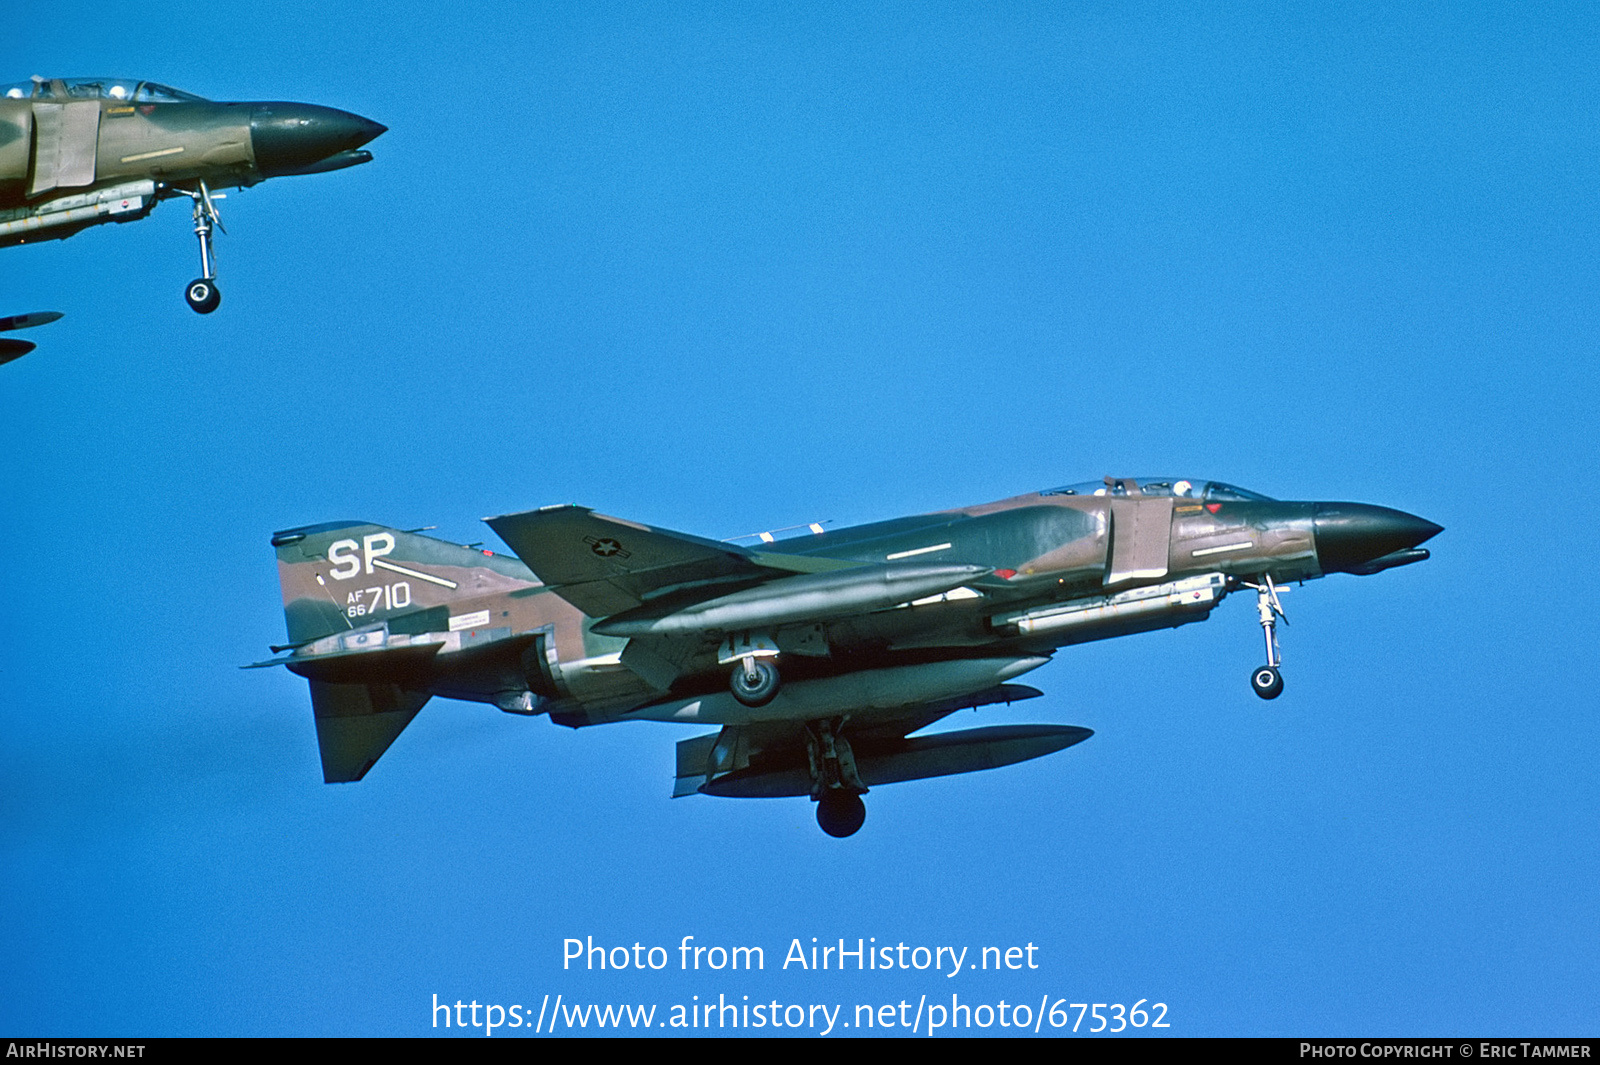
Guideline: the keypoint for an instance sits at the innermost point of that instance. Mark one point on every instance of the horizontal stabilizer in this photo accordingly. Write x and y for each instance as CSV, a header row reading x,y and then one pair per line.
x,y
356,723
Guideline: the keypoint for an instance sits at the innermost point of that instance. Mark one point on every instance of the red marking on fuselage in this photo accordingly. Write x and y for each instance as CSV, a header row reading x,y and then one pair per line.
x,y
1005,574
1213,507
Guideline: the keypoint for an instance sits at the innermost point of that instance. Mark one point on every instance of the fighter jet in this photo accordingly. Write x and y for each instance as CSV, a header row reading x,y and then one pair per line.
x,y
79,152
817,655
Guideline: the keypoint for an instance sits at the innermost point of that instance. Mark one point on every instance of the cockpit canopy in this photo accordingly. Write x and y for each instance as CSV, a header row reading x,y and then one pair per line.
x,y
1183,488
130,89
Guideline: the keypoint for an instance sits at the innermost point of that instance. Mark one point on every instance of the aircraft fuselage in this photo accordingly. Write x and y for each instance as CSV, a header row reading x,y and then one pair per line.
x,y
818,657
1041,571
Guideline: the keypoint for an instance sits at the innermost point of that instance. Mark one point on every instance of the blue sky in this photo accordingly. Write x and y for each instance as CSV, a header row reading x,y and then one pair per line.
x,y
722,268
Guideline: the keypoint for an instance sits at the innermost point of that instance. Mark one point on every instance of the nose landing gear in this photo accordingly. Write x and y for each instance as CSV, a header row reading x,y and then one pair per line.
x,y
1266,681
202,294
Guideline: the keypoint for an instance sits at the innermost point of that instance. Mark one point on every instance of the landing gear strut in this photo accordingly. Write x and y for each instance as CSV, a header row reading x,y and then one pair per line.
x,y
836,788
1266,681
202,293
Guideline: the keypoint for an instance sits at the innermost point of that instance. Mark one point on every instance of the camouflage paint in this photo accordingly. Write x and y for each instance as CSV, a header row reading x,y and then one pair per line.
x,y
380,620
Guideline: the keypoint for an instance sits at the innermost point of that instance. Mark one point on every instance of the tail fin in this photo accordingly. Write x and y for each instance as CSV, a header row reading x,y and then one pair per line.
x,y
345,576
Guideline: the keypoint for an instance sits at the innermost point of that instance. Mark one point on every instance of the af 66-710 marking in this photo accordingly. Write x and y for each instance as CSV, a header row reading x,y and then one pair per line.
x,y
364,601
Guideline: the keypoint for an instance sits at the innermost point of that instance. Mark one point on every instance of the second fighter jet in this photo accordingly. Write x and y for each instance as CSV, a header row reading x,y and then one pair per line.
x,y
80,152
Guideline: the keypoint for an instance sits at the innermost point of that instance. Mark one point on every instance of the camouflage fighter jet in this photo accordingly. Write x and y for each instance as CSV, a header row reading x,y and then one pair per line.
x,y
77,152
878,630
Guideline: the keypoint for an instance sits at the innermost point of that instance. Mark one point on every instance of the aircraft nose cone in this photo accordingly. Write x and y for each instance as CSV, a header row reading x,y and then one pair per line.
x,y
1350,535
289,138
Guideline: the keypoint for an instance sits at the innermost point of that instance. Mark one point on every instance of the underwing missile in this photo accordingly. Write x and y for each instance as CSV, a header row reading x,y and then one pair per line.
x,y
809,597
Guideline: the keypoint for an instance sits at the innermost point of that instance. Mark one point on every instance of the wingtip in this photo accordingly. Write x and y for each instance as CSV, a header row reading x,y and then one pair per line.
x,y
537,510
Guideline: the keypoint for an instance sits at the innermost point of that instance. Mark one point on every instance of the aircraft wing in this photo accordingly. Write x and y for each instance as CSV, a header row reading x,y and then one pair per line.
x,y
604,565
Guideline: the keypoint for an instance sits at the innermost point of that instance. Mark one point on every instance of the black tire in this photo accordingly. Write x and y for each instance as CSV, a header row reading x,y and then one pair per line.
x,y
757,691
841,813
203,295
1267,682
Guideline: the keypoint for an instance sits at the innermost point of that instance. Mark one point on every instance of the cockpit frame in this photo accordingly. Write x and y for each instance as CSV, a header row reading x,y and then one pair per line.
x,y
129,90
1177,487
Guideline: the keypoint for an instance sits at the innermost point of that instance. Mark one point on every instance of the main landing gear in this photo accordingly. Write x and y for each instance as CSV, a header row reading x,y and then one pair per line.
x,y
755,680
1266,681
202,294
836,788
841,813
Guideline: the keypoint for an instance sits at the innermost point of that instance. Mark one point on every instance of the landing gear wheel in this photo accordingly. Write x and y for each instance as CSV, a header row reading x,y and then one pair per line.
x,y
754,682
841,813
203,295
1267,682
